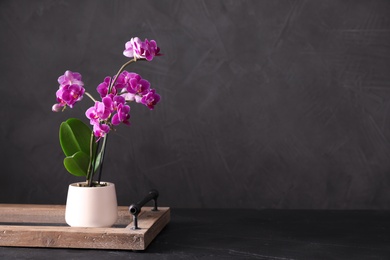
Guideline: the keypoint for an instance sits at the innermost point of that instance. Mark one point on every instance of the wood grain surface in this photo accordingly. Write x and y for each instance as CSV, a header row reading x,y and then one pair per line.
x,y
29,226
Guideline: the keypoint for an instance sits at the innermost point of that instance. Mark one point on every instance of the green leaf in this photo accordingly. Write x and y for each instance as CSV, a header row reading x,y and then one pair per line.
x,y
77,164
75,136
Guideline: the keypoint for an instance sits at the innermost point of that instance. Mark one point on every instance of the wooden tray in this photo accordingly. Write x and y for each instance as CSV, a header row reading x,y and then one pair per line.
x,y
24,225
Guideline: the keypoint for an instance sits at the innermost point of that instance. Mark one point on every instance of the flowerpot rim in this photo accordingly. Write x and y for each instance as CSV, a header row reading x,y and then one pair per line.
x,y
76,185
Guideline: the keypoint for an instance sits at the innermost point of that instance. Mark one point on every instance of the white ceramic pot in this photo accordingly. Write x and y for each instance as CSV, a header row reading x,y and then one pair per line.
x,y
91,206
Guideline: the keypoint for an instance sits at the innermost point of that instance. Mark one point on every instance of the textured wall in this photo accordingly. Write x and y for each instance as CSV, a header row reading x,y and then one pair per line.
x,y
265,104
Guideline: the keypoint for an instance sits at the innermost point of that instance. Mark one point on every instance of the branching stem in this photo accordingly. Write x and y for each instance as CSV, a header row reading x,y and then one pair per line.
x,y
90,96
91,167
119,72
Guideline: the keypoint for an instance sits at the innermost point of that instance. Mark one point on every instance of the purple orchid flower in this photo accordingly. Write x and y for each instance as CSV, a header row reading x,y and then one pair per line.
x,y
100,111
69,95
128,96
100,130
122,115
133,48
102,88
151,49
141,49
150,99
118,100
132,84
70,90
138,85
124,78
70,78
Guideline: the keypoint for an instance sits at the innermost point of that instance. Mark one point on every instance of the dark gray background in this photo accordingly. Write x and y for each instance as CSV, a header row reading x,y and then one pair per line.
x,y
265,104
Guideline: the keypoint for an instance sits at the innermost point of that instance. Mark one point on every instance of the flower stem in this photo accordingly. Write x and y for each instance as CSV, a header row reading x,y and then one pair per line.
x,y
90,96
102,158
91,165
119,72
103,149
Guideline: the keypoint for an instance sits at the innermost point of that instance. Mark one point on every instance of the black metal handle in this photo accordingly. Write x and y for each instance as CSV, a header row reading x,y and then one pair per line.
x,y
135,209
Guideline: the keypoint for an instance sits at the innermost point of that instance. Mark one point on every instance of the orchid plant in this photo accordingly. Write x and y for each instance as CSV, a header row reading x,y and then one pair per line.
x,y
84,148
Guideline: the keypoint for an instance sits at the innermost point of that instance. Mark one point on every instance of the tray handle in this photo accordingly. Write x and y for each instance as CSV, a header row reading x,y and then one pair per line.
x,y
135,208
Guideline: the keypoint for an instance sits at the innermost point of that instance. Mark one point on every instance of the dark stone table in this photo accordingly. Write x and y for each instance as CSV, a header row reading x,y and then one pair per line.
x,y
250,234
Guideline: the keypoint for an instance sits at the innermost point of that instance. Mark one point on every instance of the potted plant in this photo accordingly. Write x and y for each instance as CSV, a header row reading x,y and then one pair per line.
x,y
93,203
